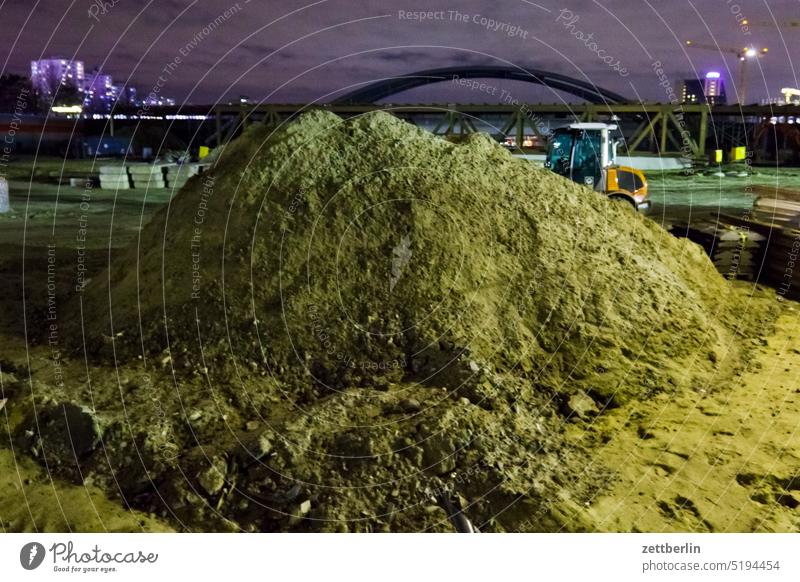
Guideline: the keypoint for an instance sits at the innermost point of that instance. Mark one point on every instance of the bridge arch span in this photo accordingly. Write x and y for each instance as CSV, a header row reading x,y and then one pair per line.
x,y
386,87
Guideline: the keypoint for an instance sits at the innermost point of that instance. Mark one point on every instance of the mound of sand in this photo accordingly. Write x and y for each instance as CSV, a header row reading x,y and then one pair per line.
x,y
393,309
349,253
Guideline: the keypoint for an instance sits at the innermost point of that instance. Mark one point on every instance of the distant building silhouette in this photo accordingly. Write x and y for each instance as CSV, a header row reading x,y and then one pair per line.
x,y
96,90
48,74
710,90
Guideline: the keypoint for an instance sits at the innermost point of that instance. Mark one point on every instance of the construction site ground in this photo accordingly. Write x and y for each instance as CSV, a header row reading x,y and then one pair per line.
x,y
716,458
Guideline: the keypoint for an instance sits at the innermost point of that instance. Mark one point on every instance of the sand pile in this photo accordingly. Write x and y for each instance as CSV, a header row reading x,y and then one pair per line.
x,y
377,314
353,253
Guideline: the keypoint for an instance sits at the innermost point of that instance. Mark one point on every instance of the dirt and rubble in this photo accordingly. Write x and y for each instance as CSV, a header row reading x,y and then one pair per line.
x,y
344,319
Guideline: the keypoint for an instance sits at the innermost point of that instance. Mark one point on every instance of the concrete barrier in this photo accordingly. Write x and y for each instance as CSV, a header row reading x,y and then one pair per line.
x,y
148,175
5,205
178,175
114,178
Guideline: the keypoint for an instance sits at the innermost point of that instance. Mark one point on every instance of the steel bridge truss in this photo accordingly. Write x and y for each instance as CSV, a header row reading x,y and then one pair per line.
x,y
689,131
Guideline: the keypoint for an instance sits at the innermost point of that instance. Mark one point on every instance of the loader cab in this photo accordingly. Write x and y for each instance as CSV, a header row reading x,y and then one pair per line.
x,y
576,154
586,153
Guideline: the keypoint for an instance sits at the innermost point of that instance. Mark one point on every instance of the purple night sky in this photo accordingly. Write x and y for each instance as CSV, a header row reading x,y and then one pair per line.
x,y
286,51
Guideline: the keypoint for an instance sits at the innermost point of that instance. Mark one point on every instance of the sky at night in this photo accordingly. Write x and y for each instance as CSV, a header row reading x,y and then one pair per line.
x,y
286,51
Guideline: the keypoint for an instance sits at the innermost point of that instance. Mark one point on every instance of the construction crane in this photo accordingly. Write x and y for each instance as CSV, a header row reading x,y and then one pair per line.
x,y
770,24
743,54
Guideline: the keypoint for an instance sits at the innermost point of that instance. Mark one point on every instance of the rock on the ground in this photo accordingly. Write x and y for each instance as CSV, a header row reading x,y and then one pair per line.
x,y
64,433
581,405
439,454
212,477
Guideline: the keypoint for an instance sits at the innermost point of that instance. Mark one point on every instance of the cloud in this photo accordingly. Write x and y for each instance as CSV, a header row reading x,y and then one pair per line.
x,y
259,51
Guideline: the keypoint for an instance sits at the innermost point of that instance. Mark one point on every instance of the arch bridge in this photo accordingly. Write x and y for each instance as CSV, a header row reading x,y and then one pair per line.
x,y
387,87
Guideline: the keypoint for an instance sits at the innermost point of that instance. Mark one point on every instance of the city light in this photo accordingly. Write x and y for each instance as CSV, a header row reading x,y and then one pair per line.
x,y
66,109
96,90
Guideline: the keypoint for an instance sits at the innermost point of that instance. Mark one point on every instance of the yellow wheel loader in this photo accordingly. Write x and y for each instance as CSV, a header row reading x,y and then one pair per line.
x,y
586,154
